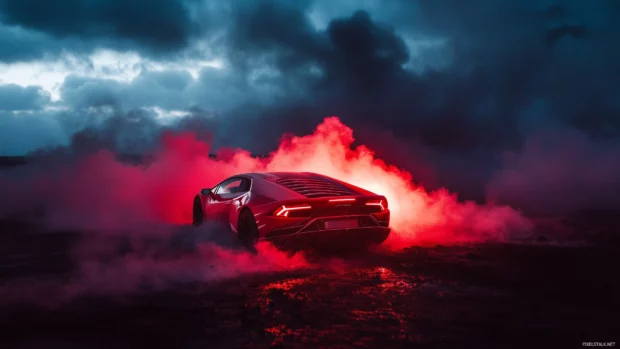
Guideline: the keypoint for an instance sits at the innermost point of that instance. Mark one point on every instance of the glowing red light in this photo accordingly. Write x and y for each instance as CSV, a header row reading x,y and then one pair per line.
x,y
342,200
283,211
376,203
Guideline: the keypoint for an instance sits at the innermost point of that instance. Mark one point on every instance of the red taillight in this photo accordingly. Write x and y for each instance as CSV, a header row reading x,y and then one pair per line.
x,y
381,203
283,210
342,200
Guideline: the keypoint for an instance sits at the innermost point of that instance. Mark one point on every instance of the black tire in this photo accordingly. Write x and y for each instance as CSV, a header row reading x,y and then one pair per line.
x,y
380,238
197,214
247,229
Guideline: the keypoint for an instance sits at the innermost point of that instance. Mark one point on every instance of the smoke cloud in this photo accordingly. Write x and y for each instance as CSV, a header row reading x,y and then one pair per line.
x,y
558,172
99,192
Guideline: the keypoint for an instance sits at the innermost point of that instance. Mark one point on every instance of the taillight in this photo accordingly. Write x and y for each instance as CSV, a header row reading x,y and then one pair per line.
x,y
342,200
283,211
382,204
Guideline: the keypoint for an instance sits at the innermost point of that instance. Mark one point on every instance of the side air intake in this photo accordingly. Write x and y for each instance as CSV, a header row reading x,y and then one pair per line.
x,y
314,188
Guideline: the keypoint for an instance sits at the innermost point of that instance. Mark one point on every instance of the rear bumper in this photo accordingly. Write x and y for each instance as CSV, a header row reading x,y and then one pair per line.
x,y
269,226
370,231
366,232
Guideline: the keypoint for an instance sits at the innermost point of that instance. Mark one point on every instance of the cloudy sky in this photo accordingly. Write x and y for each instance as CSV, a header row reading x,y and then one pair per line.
x,y
450,79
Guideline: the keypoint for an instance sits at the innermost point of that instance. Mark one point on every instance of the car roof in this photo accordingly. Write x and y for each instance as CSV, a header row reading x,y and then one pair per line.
x,y
276,176
280,175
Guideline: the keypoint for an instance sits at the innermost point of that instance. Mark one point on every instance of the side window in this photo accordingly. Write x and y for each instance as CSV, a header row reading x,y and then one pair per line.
x,y
245,186
231,186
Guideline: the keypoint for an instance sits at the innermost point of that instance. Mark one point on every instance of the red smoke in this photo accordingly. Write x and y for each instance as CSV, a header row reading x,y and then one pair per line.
x,y
182,167
140,202
103,271
417,215
102,193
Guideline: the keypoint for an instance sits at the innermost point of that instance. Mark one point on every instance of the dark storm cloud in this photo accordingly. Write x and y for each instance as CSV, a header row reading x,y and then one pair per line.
x,y
503,64
165,89
278,27
158,25
352,54
80,131
17,98
134,132
213,89
502,69
26,132
362,79
557,33
503,61
18,44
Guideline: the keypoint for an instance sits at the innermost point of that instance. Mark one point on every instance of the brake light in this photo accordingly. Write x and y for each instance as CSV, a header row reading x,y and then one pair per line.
x,y
283,210
342,200
380,203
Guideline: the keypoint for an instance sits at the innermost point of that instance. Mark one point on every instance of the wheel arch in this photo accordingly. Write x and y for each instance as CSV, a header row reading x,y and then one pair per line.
x,y
235,214
248,237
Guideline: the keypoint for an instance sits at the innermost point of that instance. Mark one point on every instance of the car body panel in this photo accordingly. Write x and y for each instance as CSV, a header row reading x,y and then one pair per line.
x,y
329,200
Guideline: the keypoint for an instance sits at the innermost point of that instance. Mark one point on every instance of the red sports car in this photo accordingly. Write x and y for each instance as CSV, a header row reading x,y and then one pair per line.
x,y
285,206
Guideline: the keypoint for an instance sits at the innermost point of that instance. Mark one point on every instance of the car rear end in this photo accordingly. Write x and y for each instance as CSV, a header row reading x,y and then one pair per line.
x,y
330,211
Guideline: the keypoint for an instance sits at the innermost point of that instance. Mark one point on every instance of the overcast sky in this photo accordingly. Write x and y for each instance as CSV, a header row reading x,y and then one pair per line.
x,y
453,75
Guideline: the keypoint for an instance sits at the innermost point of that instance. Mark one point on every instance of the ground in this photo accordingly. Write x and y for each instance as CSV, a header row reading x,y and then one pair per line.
x,y
494,295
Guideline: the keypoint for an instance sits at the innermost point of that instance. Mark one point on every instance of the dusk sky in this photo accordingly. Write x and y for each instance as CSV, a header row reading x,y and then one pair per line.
x,y
454,82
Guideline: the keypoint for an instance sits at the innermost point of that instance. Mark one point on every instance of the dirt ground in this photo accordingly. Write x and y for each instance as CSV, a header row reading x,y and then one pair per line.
x,y
529,294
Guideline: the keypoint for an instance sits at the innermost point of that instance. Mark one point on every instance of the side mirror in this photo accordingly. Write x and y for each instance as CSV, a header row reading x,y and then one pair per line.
x,y
205,191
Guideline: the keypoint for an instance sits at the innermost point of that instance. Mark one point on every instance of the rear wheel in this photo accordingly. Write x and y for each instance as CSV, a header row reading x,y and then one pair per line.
x,y
197,214
247,229
379,238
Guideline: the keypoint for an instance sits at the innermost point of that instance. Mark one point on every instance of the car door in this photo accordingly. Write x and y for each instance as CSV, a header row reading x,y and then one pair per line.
x,y
219,203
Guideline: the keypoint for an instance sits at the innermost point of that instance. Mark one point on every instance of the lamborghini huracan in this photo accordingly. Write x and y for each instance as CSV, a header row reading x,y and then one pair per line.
x,y
294,206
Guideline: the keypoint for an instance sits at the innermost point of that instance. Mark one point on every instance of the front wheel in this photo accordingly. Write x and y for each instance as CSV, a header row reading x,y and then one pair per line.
x,y
247,229
197,214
